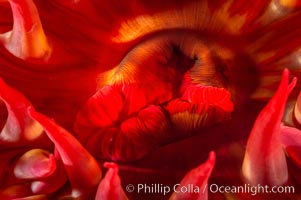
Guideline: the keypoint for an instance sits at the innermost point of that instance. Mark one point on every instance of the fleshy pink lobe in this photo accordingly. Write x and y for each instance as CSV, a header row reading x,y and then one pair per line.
x,y
118,124
102,109
219,97
200,107
27,39
291,140
82,169
197,180
19,127
110,186
264,161
130,139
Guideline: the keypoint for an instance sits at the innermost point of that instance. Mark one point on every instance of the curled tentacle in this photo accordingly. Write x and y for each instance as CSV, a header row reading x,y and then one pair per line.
x,y
34,164
35,172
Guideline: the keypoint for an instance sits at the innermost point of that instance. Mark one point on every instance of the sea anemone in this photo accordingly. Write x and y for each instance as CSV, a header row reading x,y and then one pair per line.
x,y
142,99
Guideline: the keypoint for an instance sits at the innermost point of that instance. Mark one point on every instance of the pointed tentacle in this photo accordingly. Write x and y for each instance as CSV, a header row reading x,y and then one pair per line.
x,y
110,186
27,39
19,127
264,161
197,177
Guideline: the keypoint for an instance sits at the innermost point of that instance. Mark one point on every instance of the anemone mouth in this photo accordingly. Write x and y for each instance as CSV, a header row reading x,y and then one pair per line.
x,y
177,56
168,87
168,55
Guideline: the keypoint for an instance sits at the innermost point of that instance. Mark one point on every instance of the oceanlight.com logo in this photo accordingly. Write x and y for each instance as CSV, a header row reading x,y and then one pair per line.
x,y
157,188
252,189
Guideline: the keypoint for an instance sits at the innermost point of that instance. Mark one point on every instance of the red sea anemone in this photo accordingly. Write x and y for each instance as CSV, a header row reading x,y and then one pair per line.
x,y
126,99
